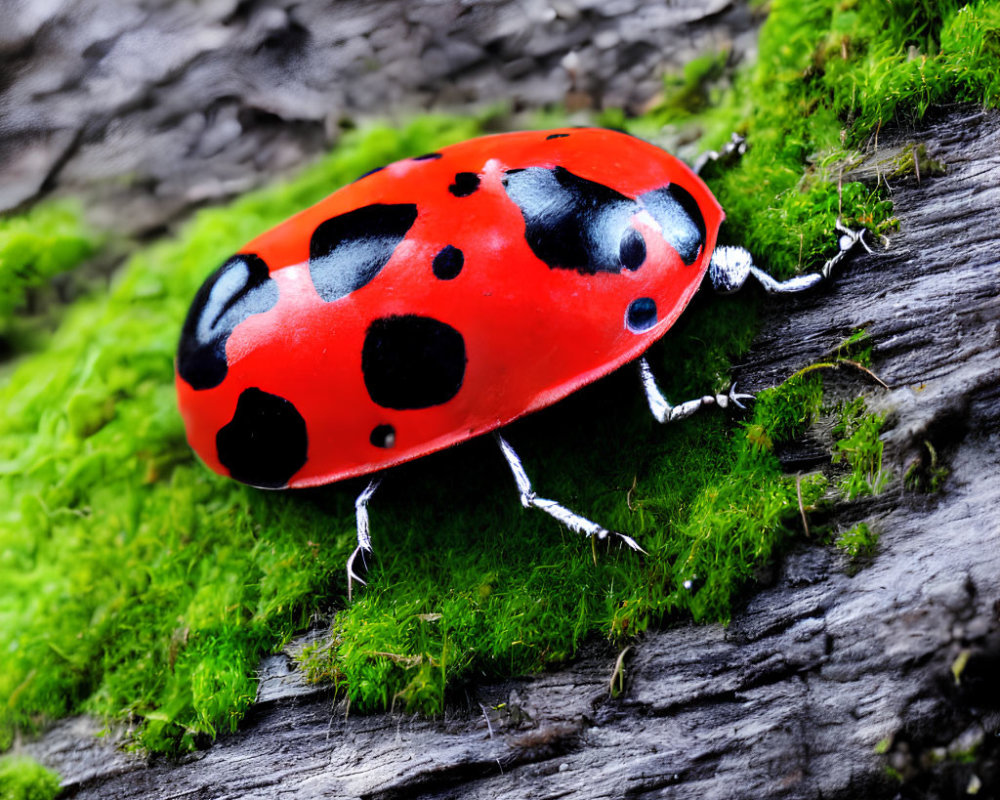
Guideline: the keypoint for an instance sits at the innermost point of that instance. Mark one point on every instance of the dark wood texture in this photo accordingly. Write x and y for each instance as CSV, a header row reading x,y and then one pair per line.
x,y
824,679
147,110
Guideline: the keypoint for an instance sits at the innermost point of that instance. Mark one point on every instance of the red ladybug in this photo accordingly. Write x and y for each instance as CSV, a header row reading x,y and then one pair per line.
x,y
441,297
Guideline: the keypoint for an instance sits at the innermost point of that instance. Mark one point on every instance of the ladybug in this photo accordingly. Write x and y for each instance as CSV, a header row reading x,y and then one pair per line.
x,y
441,297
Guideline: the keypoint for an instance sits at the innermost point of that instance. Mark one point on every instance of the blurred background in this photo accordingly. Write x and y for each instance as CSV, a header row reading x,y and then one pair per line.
x,y
148,109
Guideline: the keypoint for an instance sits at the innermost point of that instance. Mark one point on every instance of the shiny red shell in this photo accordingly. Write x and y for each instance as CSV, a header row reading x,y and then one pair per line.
x,y
532,329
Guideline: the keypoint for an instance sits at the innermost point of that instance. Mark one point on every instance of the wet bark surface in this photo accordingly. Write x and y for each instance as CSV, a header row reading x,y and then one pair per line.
x,y
147,110
826,678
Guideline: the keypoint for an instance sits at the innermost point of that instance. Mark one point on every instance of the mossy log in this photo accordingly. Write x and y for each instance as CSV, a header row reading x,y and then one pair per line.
x,y
832,681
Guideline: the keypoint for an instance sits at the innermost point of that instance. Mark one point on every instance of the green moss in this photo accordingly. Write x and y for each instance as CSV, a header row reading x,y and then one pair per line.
x,y
23,778
694,89
926,473
861,447
141,584
37,246
914,160
857,348
858,542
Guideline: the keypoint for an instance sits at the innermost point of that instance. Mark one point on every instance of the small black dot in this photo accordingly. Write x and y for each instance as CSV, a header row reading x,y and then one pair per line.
x,y
641,314
448,263
465,184
557,136
383,436
427,157
632,251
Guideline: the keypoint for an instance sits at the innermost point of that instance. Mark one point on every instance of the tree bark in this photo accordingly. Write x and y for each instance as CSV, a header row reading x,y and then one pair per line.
x,y
147,110
824,679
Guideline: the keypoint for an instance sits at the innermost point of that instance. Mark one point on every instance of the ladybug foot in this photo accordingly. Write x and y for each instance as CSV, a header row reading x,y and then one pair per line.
x,y
664,412
353,576
570,519
848,238
364,536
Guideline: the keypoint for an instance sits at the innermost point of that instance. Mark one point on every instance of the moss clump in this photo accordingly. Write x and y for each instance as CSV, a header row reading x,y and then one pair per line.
x,y
23,778
925,473
858,542
861,447
34,248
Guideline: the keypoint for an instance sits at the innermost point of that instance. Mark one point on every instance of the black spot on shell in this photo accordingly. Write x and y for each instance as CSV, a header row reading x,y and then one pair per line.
x,y
632,250
678,215
465,184
572,223
265,443
349,250
366,174
448,263
383,436
412,362
641,314
557,136
238,289
428,157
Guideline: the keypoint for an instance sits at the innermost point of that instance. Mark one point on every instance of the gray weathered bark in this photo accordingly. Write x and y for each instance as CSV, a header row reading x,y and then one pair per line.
x,y
815,675
148,109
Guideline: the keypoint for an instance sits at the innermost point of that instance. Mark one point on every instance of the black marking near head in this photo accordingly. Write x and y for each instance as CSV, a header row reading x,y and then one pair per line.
x,y
428,157
412,362
641,314
348,250
632,250
383,436
573,223
677,213
557,136
238,289
465,184
448,263
366,174
265,443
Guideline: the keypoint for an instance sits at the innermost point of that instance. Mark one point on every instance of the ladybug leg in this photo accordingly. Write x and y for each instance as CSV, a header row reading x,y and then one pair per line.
x,y
664,412
736,146
570,519
364,537
731,266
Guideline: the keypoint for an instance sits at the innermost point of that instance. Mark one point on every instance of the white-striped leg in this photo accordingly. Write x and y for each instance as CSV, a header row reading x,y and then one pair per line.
x,y
570,519
664,412
730,267
364,536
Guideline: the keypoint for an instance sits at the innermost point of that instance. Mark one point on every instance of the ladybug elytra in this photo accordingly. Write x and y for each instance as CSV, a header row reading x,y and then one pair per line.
x,y
440,298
